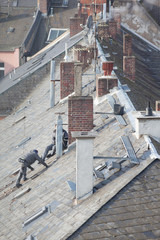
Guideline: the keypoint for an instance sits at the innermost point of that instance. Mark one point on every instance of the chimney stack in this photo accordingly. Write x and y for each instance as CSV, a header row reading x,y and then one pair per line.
x,y
84,164
117,18
112,28
75,25
128,59
106,82
43,6
70,78
103,31
129,67
127,45
78,78
80,115
66,79
84,55
147,124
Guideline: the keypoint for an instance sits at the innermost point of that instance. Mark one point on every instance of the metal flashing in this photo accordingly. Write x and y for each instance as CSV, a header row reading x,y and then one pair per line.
x,y
72,186
98,174
23,142
130,151
35,216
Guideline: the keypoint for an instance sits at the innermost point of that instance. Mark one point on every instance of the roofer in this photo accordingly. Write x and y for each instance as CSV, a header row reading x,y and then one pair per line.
x,y
51,149
27,161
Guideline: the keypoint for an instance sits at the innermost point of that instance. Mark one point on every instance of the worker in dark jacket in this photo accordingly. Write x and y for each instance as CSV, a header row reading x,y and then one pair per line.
x,y
51,149
27,161
64,139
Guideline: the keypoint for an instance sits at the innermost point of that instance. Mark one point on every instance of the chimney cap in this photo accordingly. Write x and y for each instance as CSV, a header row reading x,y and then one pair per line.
x,y
84,134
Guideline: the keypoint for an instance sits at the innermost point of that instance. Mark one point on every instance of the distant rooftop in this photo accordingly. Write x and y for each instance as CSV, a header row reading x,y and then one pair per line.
x,y
19,3
20,21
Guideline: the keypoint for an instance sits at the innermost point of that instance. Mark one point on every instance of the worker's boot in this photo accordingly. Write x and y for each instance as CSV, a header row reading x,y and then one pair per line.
x,y
18,185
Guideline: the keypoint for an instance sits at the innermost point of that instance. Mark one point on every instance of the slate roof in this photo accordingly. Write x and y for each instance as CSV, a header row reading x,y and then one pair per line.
x,y
21,22
147,85
50,187
34,123
132,214
19,3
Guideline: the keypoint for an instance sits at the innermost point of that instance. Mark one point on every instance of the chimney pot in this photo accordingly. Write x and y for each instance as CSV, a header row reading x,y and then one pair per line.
x,y
107,67
149,110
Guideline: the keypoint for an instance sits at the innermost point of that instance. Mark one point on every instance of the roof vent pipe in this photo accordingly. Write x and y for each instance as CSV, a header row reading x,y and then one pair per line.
x,y
149,110
59,133
52,84
66,53
51,11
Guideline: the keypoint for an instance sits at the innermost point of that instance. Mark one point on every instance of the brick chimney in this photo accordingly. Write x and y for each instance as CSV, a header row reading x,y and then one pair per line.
x,y
112,28
70,78
89,6
106,82
157,105
66,79
127,45
103,31
117,18
129,67
84,55
43,6
75,27
80,115
84,16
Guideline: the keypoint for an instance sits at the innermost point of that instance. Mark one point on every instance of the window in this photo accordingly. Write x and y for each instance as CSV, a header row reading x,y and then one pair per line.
x,y
55,33
1,69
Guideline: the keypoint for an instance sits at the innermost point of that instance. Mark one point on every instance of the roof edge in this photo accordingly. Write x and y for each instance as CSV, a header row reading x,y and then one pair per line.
x,y
110,191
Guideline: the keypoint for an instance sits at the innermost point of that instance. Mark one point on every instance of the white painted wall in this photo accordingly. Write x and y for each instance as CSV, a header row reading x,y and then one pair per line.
x,y
148,125
84,164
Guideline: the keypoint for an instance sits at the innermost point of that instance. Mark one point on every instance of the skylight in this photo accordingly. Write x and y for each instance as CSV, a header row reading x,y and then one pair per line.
x,y
55,33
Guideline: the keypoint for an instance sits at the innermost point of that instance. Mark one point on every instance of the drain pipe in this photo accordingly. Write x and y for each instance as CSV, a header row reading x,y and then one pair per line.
x,y
52,84
59,133
66,53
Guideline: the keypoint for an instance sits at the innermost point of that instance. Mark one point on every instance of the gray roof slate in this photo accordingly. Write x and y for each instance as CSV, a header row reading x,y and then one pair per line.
x,y
19,20
49,187
132,214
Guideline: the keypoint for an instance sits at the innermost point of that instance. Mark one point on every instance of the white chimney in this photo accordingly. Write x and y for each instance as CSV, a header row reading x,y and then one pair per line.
x,y
104,12
84,163
147,124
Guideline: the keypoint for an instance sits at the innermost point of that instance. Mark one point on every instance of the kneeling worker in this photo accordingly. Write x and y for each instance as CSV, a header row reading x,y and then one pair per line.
x,y
27,161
